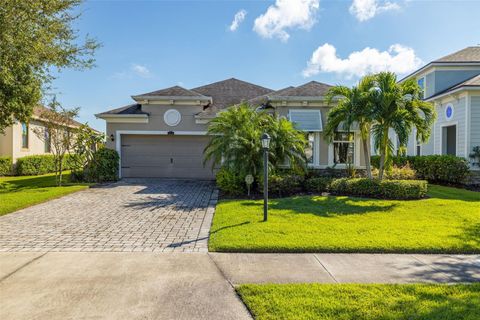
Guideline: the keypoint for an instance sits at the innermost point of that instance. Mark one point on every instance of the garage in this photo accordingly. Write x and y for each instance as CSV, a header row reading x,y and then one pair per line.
x,y
164,156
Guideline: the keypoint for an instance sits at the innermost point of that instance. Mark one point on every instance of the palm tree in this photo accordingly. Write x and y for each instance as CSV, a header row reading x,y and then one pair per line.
x,y
354,106
398,106
236,145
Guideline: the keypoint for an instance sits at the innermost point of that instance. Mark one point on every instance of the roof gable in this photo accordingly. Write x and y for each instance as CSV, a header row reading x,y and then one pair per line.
x,y
231,91
468,54
309,89
175,91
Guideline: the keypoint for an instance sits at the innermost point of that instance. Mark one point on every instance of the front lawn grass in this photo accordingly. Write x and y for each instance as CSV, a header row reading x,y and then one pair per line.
x,y
447,222
23,191
362,301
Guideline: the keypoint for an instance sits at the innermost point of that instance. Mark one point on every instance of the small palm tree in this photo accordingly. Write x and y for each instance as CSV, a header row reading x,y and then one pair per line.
x,y
354,106
236,145
398,106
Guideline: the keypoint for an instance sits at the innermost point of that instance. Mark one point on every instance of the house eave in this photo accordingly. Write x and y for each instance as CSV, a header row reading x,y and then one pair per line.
x,y
452,92
437,64
146,98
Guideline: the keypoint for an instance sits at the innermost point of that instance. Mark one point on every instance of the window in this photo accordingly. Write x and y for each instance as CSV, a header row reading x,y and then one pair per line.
x,y
343,148
48,141
421,84
24,135
419,150
310,150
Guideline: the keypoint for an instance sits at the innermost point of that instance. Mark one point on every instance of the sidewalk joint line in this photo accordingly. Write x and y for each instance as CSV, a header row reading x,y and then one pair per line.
x,y
325,268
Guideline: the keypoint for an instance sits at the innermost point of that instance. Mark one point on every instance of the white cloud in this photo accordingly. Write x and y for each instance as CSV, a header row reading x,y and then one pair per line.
x,y
366,9
397,58
141,70
237,19
286,14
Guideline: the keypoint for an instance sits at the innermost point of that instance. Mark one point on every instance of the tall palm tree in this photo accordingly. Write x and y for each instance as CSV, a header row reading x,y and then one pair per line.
x,y
354,106
236,144
398,106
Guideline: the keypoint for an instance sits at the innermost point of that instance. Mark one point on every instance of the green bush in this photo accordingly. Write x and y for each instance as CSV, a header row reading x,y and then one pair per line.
x,y
35,165
385,189
317,184
103,167
230,183
434,168
398,173
40,164
283,185
5,166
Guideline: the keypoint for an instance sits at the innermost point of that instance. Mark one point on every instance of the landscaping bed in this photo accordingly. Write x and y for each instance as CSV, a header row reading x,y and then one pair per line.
x,y
362,301
448,221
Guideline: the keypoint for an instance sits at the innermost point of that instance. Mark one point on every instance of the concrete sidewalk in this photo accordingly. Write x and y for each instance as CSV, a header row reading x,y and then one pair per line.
x,y
347,268
140,285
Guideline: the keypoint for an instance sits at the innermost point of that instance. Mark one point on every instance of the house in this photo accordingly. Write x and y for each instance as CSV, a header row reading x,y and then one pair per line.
x,y
452,84
164,133
20,140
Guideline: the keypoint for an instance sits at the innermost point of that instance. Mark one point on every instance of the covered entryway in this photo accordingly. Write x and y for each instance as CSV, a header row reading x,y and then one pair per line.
x,y
164,156
449,140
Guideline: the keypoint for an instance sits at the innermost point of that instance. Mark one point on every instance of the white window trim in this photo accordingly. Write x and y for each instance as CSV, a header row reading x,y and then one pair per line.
x,y
307,111
356,151
316,150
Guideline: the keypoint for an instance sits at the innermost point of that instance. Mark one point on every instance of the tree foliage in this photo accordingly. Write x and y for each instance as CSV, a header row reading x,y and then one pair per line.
x,y
354,106
59,130
35,38
398,107
236,144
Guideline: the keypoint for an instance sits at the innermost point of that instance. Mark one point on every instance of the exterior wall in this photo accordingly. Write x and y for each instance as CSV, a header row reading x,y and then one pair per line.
x,y
11,141
445,79
6,143
474,121
157,123
430,84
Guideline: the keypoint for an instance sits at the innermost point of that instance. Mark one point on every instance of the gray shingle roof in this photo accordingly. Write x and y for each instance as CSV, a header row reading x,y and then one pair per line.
x,y
232,91
309,89
263,98
175,91
129,109
468,54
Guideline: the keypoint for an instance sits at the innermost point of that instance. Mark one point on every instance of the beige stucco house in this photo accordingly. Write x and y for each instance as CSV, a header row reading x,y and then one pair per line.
x,y
164,133
20,139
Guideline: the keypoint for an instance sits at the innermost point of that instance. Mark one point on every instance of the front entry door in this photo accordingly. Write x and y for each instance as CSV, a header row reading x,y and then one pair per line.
x,y
449,140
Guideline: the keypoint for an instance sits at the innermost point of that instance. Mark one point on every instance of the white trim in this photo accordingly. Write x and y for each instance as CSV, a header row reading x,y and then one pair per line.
x,y
118,140
447,118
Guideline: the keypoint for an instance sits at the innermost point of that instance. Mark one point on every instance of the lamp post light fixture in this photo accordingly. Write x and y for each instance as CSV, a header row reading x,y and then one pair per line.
x,y
265,146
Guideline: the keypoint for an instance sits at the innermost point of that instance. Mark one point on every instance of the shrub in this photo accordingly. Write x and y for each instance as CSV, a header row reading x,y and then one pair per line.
x,y
40,164
398,173
35,165
103,167
283,185
317,184
434,168
5,166
230,183
385,189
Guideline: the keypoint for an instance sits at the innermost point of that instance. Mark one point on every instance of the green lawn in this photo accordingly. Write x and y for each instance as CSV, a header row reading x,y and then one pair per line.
x,y
361,302
20,192
447,222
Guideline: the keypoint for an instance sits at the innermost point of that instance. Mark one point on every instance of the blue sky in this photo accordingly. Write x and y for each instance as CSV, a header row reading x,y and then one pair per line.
x,y
148,45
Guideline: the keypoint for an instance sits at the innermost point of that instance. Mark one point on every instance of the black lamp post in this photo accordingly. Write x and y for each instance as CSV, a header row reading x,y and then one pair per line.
x,y
265,145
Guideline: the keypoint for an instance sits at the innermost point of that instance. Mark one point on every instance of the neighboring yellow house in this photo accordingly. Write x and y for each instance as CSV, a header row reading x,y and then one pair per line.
x,y
20,139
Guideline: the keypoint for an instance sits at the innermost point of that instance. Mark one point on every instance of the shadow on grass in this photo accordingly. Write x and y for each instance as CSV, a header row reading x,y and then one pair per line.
x,y
330,206
230,226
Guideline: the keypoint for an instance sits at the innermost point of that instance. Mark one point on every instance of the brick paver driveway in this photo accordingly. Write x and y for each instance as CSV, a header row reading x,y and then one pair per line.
x,y
132,215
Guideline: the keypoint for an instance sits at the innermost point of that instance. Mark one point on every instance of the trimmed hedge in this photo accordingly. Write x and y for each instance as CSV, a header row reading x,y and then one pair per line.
x,y
283,185
39,164
230,183
5,166
103,167
317,184
384,189
434,168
